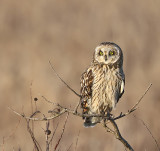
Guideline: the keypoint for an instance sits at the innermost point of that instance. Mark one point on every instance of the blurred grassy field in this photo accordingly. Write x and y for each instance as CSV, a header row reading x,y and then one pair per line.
x,y
33,32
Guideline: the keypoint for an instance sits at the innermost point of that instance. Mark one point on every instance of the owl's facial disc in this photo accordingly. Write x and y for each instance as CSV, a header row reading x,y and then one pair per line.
x,y
107,54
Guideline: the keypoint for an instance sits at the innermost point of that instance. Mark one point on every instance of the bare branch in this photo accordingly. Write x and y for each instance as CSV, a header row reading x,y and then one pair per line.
x,y
36,144
39,119
135,106
119,136
61,110
74,112
55,115
62,132
63,80
110,119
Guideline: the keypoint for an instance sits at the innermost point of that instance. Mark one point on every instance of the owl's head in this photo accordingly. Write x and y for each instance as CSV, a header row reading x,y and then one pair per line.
x,y
108,53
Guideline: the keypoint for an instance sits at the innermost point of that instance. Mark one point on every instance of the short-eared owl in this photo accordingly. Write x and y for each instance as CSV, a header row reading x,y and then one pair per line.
x,y
102,84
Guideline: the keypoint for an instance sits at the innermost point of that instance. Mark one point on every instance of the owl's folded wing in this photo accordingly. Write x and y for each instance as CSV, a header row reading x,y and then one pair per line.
x,y
122,85
86,82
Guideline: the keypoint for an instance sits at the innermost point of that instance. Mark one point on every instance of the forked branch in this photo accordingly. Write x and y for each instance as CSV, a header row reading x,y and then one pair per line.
x,y
119,136
61,110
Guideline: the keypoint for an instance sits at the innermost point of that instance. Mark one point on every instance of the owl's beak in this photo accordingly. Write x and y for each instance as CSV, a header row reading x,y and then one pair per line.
x,y
105,57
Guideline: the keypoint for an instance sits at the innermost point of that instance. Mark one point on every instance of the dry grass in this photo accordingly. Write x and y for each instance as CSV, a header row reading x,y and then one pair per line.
x,y
32,32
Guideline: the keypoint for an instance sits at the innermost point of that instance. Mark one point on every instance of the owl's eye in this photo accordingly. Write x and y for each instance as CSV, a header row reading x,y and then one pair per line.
x,y
100,53
111,52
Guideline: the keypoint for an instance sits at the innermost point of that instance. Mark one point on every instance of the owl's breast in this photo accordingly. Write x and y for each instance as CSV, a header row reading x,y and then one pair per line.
x,y
104,90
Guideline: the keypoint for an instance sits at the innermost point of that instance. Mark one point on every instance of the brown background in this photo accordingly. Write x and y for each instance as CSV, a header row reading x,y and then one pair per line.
x,y
67,31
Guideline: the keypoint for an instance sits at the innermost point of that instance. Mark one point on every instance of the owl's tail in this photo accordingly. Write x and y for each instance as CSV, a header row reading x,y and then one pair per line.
x,y
91,121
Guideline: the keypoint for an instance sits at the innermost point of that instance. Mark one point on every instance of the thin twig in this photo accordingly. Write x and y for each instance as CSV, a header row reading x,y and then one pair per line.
x,y
69,147
135,106
61,133
47,133
77,141
54,133
31,97
63,80
158,148
76,108
36,144
57,104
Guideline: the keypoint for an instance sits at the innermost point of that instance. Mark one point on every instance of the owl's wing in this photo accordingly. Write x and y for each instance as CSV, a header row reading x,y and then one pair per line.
x,y
86,82
122,85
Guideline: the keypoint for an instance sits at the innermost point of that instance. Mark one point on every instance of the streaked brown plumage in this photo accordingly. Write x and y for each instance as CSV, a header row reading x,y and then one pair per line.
x,y
102,84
